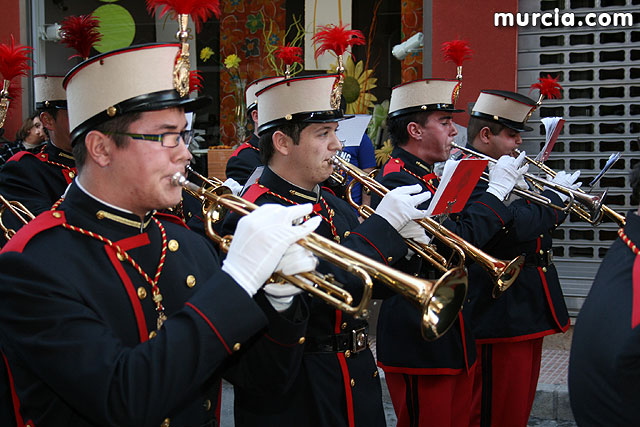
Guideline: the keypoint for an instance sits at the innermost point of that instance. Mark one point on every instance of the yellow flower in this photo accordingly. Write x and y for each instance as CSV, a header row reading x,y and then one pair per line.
x,y
232,61
206,53
383,153
357,84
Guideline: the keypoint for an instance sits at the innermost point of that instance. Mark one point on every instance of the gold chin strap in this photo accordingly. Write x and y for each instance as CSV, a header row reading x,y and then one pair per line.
x,y
4,102
183,66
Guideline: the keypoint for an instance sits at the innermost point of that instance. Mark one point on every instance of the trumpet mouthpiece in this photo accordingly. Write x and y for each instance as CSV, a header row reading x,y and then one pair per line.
x,y
178,179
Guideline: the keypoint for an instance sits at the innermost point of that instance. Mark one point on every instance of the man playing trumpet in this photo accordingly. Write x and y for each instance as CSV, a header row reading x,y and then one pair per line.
x,y
509,330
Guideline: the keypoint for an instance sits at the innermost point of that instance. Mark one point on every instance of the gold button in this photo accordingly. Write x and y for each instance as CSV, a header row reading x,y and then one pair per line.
x,y
346,234
72,175
541,236
423,107
173,245
397,161
100,214
236,346
207,405
120,256
375,373
152,334
302,340
347,353
288,117
260,185
191,281
142,292
541,252
390,259
544,269
343,326
353,382
111,111
166,423
57,215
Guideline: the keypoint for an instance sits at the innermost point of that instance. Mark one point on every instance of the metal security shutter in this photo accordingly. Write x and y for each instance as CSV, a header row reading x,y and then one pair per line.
x,y
599,69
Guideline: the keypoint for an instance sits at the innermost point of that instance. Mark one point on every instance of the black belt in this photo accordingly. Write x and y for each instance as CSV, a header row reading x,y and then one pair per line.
x,y
539,259
355,341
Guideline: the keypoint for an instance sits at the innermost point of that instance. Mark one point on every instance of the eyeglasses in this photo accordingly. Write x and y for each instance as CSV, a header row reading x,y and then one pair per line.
x,y
167,139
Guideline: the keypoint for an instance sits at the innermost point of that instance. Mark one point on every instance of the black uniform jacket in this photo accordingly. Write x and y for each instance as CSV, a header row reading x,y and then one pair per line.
x,y
604,373
534,304
244,160
400,347
333,388
78,325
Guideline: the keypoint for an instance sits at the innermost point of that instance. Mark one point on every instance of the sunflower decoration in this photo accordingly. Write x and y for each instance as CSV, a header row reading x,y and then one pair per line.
x,y
357,84
384,153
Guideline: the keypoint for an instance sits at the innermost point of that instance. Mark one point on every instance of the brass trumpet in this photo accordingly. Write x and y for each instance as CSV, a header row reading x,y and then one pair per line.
x,y
503,273
593,203
18,210
440,301
592,217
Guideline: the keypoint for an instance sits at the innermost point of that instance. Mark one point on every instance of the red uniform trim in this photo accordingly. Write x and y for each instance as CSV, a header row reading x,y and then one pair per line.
x,y
347,388
42,222
171,218
393,165
14,395
635,310
131,293
66,174
496,213
522,337
241,147
254,191
374,247
328,190
464,342
213,328
16,157
420,371
219,404
273,340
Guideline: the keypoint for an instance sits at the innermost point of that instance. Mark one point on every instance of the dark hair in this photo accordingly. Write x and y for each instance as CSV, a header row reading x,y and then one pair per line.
x,y
476,124
397,126
26,127
52,111
115,125
292,130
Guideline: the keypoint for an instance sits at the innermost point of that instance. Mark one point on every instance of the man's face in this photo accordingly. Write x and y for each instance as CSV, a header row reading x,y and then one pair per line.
x,y
504,143
58,129
436,136
145,167
311,158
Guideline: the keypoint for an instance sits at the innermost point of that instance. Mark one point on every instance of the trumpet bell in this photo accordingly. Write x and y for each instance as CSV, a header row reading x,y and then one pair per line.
x,y
445,302
508,275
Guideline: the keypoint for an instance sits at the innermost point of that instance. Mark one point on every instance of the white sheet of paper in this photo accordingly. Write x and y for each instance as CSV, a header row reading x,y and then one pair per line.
x,y
350,131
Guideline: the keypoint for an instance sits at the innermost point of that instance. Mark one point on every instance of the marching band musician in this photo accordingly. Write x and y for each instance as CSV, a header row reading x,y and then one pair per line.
x,y
38,180
246,158
509,330
431,382
134,321
338,383
603,363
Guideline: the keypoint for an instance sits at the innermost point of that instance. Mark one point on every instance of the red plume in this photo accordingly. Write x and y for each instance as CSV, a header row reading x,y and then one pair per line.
x,y
456,51
195,81
80,33
200,10
14,61
548,87
337,39
289,54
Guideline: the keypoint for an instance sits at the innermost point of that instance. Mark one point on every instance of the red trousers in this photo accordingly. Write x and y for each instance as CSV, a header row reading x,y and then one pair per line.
x,y
431,400
506,382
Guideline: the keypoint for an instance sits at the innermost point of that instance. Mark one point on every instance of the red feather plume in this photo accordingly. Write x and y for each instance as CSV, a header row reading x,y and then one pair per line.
x,y
548,87
80,33
289,54
456,51
195,81
14,60
200,10
337,39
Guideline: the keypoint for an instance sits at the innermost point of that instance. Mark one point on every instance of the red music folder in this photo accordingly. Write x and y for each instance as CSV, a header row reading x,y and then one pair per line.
x,y
458,181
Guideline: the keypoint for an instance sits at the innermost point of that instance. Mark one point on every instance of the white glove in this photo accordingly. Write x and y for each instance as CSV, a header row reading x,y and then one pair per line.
x,y
233,185
566,180
415,232
280,295
505,174
398,206
260,241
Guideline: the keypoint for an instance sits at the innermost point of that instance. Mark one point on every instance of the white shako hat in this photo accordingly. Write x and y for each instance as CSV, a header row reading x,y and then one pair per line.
x,y
423,95
49,92
133,79
256,86
299,99
507,108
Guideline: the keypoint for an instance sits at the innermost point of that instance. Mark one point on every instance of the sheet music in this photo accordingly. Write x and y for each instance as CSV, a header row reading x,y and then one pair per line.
x,y
552,126
350,131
